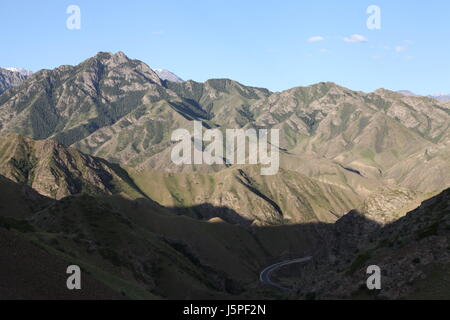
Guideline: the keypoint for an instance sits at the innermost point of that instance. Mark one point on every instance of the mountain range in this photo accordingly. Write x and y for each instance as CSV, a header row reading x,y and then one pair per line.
x,y
11,77
440,97
22,71
87,176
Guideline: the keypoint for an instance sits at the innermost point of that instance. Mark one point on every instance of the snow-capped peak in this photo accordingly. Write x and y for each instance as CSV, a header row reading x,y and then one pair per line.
x,y
21,71
167,75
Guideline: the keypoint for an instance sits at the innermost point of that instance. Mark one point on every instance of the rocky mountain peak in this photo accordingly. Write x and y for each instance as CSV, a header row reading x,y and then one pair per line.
x,y
119,65
112,58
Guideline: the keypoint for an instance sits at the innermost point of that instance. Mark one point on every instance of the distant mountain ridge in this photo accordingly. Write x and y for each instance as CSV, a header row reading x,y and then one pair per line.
x,y
12,77
22,71
439,97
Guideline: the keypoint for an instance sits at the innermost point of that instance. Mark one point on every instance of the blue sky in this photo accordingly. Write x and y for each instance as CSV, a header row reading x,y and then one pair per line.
x,y
261,43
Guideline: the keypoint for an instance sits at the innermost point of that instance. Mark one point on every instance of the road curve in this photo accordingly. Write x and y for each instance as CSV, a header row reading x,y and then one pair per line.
x,y
264,276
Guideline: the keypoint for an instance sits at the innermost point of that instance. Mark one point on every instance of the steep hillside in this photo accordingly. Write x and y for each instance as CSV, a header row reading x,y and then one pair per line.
x,y
70,102
413,254
142,138
369,133
29,271
19,201
56,171
285,198
136,249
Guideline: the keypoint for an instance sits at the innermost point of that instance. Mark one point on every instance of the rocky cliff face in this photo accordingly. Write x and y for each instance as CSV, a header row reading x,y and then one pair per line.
x,y
10,78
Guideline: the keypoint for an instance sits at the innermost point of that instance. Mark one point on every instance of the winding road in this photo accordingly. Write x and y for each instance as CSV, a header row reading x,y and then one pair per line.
x,y
264,276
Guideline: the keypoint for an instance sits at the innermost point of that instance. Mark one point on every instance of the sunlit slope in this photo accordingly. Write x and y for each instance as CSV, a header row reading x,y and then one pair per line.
x,y
287,197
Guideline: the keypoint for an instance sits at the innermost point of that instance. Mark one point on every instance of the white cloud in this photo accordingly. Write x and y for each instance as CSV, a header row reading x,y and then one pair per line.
x,y
356,38
158,33
408,41
400,48
316,39
323,50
